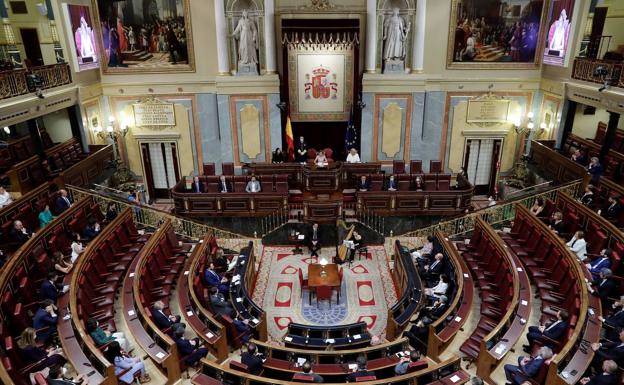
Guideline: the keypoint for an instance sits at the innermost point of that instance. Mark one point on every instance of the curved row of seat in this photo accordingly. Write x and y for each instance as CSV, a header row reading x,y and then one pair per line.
x,y
194,302
447,372
560,281
349,336
407,282
505,298
443,330
26,209
20,281
95,281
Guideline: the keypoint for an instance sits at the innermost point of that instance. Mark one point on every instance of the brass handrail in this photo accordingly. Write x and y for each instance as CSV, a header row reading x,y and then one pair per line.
x,y
492,215
151,217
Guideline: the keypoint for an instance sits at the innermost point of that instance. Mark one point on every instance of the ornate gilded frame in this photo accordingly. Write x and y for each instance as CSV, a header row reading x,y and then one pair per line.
x,y
190,67
326,45
539,49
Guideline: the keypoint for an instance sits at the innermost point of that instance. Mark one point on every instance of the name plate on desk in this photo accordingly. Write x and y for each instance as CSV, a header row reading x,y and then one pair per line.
x,y
487,111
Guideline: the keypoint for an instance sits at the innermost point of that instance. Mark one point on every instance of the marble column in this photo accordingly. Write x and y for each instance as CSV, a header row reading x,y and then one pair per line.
x,y
418,50
371,35
269,36
223,61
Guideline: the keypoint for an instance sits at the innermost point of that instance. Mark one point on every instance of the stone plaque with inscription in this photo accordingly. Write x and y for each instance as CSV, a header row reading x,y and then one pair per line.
x,y
154,114
486,111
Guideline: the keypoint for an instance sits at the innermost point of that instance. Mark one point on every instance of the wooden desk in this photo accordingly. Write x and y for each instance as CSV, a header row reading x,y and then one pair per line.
x,y
324,208
315,279
322,179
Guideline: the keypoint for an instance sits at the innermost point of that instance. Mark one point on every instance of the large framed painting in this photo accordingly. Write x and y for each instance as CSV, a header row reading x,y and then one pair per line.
x,y
559,25
495,34
79,26
146,36
320,81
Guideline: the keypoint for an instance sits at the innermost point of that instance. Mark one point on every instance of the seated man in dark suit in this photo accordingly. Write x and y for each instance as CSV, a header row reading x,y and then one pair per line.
x,y
363,184
612,209
401,367
55,377
527,367
191,350
62,203
252,359
50,289
314,237
432,272
609,375
220,305
162,320
307,370
603,261
45,321
392,184
553,330
614,322
579,157
360,371
92,230
608,351
212,278
224,185
197,186
19,233
604,287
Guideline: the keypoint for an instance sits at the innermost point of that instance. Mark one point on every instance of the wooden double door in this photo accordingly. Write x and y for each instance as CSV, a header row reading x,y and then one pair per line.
x,y
160,163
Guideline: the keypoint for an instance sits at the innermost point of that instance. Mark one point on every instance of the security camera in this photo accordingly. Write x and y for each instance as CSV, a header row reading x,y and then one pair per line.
x,y
601,71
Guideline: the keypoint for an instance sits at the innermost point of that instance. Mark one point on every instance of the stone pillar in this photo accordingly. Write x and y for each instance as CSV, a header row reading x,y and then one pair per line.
x,y
371,35
223,61
418,50
612,127
269,36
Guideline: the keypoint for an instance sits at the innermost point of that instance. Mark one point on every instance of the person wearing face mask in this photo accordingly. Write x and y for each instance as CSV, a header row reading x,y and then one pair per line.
x,y
301,151
102,337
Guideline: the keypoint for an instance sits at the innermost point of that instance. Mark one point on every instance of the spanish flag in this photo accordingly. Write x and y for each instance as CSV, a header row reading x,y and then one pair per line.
x,y
290,140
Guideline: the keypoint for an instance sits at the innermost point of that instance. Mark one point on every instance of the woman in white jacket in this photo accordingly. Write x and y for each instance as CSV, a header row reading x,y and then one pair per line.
x,y
578,245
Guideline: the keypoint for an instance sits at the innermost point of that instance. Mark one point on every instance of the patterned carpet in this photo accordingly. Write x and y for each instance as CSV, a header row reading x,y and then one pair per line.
x,y
366,293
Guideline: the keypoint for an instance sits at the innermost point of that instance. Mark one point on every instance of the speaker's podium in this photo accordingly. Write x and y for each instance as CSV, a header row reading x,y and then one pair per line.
x,y
322,207
322,178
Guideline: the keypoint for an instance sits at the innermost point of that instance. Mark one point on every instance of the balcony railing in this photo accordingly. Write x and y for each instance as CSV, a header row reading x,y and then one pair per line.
x,y
584,69
15,82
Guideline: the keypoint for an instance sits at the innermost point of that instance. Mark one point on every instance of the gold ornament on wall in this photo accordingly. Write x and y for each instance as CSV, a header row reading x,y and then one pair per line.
x,y
321,5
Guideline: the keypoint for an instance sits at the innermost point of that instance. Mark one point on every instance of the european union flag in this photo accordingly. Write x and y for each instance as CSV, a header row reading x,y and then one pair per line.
x,y
350,135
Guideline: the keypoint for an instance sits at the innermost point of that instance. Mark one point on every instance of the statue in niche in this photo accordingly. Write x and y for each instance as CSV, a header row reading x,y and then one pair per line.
x,y
395,32
558,35
247,35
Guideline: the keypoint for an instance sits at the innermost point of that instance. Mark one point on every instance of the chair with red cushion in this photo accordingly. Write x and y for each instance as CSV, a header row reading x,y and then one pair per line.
x,y
227,168
329,153
416,167
398,167
324,292
311,153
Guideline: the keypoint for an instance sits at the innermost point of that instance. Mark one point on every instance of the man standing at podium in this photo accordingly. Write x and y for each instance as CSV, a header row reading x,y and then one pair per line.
x,y
302,150
314,237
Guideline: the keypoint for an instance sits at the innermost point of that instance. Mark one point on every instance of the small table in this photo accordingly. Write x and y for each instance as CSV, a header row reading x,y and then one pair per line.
x,y
295,238
316,278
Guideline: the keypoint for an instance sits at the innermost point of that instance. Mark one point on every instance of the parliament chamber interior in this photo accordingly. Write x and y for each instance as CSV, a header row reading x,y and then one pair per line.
x,y
272,192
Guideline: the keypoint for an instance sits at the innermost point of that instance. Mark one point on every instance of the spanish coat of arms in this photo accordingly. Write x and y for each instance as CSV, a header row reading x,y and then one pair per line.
x,y
320,85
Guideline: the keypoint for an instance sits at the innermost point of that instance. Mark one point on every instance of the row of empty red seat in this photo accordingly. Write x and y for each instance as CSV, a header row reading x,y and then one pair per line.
x,y
557,276
495,274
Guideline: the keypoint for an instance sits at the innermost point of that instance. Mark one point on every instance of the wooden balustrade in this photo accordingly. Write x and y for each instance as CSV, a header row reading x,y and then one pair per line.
x,y
585,68
14,82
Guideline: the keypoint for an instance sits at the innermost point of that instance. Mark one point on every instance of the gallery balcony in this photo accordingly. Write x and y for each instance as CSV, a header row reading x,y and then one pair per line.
x,y
599,71
24,81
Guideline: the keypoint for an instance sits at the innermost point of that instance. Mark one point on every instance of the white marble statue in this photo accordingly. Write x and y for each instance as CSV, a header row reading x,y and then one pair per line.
x,y
558,34
395,34
247,35
85,39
